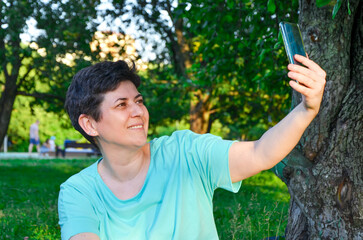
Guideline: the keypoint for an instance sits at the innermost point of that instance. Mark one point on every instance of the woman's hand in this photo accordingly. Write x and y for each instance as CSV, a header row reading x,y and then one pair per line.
x,y
311,82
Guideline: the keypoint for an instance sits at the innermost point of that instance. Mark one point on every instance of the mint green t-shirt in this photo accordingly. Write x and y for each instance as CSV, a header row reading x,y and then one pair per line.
x,y
175,201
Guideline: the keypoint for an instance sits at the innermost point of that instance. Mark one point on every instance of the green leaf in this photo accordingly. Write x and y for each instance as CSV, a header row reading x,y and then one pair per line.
x,y
271,7
295,3
279,38
348,5
240,62
228,18
321,3
336,8
262,56
277,45
230,4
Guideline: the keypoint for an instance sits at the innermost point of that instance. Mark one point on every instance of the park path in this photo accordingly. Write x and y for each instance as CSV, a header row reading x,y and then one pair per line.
x,y
25,155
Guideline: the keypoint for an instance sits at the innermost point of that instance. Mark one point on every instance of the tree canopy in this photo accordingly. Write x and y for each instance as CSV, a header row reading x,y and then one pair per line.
x,y
220,60
37,68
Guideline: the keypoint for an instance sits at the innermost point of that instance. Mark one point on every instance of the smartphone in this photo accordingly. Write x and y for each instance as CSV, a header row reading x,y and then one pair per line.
x,y
292,40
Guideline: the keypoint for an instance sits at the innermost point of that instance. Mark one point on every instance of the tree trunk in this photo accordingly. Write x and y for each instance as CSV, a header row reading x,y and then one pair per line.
x,y
200,113
6,105
199,104
327,193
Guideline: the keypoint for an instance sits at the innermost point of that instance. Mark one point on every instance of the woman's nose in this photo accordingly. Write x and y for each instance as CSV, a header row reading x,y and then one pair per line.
x,y
136,110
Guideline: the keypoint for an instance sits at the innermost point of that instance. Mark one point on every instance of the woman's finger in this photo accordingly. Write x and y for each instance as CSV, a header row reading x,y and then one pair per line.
x,y
302,79
310,64
300,88
305,71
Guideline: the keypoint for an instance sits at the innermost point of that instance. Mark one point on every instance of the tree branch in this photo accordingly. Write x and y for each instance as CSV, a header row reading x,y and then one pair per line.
x,y
25,75
169,11
3,57
40,95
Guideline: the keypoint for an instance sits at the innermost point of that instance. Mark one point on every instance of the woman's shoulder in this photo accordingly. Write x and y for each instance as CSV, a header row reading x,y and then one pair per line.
x,y
176,136
82,178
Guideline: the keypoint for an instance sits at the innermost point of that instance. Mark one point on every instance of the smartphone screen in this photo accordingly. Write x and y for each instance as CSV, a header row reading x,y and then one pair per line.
x,y
292,40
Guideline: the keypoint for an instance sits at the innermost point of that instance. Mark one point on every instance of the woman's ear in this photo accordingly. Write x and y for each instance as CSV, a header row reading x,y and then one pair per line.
x,y
87,125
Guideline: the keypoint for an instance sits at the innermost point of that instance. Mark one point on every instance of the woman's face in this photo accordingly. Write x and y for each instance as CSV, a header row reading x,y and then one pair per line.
x,y
124,118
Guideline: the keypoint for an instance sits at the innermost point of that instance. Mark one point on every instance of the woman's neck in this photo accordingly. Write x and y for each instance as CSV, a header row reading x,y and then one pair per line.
x,y
125,165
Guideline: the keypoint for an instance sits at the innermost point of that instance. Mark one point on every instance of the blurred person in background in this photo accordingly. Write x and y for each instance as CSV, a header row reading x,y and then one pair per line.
x,y
34,137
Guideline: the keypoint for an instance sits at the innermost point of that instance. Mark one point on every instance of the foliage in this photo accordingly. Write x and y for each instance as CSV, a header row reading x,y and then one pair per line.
x,y
51,124
58,49
236,59
160,89
241,63
28,204
72,34
337,5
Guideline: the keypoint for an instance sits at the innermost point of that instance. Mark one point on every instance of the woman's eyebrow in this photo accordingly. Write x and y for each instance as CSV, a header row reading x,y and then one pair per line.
x,y
138,95
120,99
123,99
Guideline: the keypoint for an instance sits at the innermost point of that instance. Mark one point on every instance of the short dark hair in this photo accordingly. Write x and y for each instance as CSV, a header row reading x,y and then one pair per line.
x,y
87,89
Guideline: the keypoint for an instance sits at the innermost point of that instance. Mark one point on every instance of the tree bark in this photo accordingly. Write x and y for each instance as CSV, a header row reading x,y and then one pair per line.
x,y
199,105
200,113
327,195
6,105
9,93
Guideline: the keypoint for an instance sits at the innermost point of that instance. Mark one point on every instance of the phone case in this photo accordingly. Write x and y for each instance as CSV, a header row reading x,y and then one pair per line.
x,y
292,40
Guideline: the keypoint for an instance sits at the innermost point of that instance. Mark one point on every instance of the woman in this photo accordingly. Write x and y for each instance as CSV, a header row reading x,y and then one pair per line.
x,y
162,189
45,148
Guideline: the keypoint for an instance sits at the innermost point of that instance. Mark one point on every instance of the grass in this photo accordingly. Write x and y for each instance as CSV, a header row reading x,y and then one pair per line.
x,y
258,211
29,191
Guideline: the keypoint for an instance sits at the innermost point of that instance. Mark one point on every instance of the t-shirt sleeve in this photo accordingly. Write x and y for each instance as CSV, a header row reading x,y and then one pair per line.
x,y
76,214
209,154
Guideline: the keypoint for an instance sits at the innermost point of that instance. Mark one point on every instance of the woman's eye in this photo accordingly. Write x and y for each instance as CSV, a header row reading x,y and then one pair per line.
x,y
122,104
140,101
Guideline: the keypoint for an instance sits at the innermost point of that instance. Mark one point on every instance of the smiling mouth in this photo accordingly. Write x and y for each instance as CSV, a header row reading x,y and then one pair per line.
x,y
135,127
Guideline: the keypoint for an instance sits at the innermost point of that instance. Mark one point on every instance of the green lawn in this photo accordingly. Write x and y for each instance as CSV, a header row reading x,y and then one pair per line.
x,y
259,210
29,192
